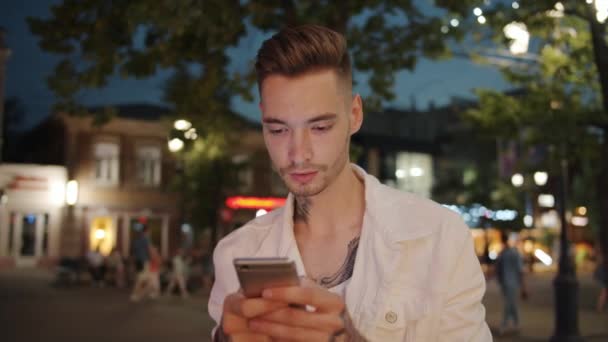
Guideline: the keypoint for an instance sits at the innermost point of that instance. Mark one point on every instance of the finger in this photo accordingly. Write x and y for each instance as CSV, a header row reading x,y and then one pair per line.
x,y
302,318
282,331
233,324
253,307
320,298
250,337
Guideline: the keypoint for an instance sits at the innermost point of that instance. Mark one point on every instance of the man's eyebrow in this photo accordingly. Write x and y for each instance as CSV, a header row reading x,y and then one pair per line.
x,y
272,120
320,117
323,117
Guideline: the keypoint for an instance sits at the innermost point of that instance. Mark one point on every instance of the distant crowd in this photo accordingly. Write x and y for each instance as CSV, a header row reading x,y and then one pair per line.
x,y
144,270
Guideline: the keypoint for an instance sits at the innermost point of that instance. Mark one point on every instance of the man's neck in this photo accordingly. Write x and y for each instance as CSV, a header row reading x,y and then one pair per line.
x,y
337,209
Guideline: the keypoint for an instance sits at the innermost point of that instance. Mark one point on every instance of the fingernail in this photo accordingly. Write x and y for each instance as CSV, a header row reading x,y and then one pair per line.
x,y
267,293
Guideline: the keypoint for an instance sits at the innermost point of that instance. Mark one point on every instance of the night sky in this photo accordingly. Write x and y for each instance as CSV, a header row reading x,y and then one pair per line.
x,y
28,68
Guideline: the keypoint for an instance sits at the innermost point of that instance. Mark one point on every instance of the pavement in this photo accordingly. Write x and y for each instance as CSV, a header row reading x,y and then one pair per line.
x,y
33,310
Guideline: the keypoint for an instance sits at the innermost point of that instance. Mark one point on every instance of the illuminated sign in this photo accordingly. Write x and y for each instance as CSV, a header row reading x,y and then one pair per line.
x,y
240,202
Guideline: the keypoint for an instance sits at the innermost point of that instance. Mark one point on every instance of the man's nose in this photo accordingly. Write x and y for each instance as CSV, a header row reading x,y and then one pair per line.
x,y
300,150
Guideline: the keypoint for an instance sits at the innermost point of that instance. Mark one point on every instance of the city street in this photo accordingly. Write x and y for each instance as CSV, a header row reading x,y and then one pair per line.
x,y
32,310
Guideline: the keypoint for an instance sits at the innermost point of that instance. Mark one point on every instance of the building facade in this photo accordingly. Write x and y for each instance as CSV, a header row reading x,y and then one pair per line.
x,y
123,170
32,209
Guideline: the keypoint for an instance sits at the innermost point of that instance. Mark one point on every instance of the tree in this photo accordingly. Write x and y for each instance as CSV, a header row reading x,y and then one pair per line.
x,y
565,87
193,38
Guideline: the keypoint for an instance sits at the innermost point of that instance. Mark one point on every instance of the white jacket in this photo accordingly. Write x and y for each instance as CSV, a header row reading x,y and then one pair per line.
x,y
416,276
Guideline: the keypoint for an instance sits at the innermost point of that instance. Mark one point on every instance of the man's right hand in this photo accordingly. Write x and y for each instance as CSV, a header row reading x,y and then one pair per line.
x,y
237,312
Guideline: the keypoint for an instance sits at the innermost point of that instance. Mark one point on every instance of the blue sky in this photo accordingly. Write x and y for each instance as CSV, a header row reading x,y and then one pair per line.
x,y
28,68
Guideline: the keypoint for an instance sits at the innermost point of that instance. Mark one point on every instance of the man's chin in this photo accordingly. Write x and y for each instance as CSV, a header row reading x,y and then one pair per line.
x,y
304,190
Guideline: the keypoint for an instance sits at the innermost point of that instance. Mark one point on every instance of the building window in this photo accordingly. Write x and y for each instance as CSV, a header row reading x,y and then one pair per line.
x,y
414,172
149,165
106,163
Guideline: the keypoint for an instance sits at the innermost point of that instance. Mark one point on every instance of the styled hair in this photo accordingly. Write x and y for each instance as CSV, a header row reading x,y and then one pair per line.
x,y
297,50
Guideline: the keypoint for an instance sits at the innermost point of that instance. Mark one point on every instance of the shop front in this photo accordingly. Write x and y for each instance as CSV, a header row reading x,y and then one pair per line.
x,y
32,208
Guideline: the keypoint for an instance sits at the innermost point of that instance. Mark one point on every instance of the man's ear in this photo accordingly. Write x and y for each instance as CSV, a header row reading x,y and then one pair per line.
x,y
356,114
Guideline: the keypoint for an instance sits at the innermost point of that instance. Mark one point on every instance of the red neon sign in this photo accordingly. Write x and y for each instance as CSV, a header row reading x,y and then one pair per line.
x,y
241,202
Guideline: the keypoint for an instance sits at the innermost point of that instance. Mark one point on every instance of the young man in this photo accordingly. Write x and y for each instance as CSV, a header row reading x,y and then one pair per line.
x,y
384,265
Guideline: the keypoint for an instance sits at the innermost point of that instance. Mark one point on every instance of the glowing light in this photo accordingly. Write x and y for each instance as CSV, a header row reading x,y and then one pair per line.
x,y
528,221
175,144
519,35
517,180
546,200
581,211
515,5
57,192
558,11
241,202
100,234
481,19
445,29
182,125
71,192
400,173
191,134
477,11
580,221
416,171
601,6
543,257
493,255
261,212
540,178
454,22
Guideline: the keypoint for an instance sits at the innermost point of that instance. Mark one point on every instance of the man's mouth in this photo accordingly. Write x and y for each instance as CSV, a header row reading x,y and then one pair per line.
x,y
303,177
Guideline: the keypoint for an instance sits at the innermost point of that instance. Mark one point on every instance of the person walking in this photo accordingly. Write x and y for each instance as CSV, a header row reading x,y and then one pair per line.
x,y
148,280
510,275
178,275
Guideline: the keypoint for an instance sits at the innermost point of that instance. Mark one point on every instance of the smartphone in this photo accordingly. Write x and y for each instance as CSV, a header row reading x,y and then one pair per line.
x,y
257,274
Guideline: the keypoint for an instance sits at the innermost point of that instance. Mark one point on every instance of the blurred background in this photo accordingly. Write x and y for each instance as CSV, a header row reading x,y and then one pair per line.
x,y
124,117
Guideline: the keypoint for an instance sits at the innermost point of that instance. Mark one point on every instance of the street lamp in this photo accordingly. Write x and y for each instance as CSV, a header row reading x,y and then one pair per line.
x,y
182,125
517,180
176,144
540,178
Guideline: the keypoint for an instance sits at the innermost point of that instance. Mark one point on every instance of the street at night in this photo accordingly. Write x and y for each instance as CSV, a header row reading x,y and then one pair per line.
x,y
32,310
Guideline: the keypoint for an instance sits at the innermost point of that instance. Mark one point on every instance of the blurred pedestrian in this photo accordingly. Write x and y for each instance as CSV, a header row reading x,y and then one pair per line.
x,y
602,278
141,248
96,265
510,274
116,267
148,280
178,274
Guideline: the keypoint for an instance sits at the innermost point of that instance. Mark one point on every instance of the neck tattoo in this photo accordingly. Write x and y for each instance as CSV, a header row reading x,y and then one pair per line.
x,y
345,271
302,209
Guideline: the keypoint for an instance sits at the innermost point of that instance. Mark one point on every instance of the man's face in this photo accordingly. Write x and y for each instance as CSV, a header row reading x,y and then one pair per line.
x,y
307,122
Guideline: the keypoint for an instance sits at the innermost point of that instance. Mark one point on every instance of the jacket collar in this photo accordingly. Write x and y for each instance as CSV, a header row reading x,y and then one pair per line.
x,y
388,212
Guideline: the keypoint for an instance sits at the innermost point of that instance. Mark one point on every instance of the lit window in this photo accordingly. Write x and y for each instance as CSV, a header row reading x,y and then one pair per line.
x,y
106,163
414,173
149,165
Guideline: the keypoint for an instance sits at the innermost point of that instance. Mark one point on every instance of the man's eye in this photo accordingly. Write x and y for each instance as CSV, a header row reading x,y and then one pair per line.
x,y
276,131
321,128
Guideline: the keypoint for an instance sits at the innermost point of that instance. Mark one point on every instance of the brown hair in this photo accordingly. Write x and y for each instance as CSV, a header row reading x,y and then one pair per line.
x,y
296,50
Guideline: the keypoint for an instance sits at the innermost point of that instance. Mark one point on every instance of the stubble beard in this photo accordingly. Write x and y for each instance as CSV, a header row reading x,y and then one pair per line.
x,y
327,174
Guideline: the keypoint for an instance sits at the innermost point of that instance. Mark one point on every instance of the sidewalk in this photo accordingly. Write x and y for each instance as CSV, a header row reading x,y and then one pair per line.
x,y
537,315
32,310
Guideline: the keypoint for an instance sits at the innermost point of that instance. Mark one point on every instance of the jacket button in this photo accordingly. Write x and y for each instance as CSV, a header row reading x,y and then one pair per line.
x,y
390,317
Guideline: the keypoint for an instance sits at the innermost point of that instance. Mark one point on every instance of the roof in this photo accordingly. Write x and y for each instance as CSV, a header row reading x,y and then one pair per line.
x,y
136,111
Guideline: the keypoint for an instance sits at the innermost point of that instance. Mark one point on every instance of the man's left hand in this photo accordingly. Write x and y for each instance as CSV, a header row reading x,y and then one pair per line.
x,y
326,323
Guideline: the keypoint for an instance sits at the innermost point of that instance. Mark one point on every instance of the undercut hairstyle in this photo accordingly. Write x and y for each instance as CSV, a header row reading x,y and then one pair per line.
x,y
294,51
